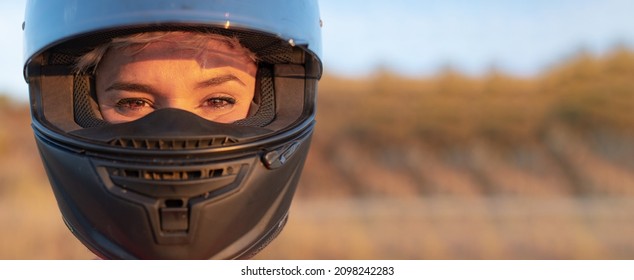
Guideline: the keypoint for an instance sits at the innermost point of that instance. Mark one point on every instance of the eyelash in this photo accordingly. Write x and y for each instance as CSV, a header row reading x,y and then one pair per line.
x,y
127,102
136,104
225,100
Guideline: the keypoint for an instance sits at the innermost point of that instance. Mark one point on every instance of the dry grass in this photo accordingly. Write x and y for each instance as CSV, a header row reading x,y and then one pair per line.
x,y
454,109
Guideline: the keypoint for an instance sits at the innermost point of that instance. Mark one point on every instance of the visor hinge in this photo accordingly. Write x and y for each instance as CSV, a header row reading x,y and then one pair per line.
x,y
276,158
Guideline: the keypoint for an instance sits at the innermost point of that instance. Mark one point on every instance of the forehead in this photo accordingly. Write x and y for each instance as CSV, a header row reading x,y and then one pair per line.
x,y
207,51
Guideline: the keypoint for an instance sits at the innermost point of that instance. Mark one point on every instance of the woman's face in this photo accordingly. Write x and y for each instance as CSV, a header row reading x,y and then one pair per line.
x,y
217,84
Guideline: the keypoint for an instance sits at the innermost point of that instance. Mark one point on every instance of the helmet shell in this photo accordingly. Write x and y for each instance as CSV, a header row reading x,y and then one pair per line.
x,y
49,22
192,189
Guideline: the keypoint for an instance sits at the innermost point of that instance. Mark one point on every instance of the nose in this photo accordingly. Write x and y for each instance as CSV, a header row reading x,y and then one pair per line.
x,y
176,103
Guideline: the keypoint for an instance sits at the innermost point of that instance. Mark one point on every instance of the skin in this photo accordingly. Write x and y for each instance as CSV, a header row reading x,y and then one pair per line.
x,y
217,84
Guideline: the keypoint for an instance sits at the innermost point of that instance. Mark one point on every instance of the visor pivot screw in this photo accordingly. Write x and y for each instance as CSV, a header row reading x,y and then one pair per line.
x,y
321,23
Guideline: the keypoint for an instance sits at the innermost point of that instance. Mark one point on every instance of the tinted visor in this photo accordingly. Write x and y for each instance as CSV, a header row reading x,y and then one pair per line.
x,y
284,94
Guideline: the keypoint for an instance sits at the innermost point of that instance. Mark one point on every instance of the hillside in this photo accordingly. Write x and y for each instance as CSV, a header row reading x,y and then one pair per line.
x,y
567,132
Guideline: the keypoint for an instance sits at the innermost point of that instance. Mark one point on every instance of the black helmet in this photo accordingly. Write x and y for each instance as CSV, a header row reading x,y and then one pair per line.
x,y
173,185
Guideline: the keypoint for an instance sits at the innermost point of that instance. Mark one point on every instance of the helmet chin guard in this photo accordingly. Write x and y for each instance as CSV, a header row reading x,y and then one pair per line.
x,y
173,185
153,194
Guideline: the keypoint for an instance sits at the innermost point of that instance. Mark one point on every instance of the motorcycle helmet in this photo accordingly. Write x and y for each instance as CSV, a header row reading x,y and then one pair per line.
x,y
171,184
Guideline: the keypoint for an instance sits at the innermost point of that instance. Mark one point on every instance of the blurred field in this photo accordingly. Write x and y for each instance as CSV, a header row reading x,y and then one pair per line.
x,y
443,167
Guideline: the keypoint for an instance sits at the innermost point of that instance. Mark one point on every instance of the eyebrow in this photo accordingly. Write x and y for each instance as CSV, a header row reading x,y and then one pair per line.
x,y
135,87
216,81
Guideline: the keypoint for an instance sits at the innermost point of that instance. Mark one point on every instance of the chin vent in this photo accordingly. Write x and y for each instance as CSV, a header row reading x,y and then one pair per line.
x,y
177,183
173,144
176,175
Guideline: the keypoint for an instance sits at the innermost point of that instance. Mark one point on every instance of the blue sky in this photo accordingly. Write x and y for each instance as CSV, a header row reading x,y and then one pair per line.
x,y
418,37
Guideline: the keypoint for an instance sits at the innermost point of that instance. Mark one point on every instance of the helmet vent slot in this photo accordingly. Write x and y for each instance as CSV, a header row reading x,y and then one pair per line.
x,y
207,181
173,144
174,203
172,175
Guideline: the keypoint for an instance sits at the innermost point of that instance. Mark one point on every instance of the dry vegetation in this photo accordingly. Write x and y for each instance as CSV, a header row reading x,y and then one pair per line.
x,y
557,134
446,167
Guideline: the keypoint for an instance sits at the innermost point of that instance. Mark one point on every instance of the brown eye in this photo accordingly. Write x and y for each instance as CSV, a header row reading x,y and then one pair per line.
x,y
132,103
220,102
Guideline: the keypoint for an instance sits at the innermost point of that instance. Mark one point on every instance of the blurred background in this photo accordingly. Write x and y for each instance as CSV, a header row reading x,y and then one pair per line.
x,y
446,130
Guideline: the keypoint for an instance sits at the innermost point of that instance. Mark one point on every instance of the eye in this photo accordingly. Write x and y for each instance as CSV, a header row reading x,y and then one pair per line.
x,y
220,102
133,103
